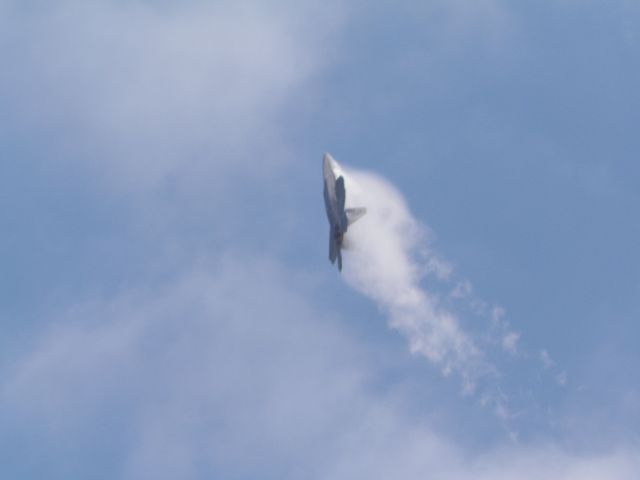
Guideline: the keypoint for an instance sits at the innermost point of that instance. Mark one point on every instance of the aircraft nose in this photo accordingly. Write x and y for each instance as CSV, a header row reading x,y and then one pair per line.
x,y
326,163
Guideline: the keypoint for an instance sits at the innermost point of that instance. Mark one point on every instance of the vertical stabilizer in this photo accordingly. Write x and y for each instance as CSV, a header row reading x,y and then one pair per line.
x,y
341,198
334,249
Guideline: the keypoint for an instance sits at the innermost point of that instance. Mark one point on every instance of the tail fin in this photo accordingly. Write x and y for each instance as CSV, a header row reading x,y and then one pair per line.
x,y
354,214
341,194
334,249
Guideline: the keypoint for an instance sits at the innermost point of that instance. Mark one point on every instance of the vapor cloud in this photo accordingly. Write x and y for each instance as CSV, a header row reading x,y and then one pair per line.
x,y
389,257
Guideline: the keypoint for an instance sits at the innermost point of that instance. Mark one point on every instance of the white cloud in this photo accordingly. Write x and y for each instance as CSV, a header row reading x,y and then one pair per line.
x,y
497,313
461,290
147,94
561,378
211,365
386,263
232,374
545,358
510,342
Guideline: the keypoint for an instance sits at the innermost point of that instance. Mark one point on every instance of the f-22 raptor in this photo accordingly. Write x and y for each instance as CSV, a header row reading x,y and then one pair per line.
x,y
334,202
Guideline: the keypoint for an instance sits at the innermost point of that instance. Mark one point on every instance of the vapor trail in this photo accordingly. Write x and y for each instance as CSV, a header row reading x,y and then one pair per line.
x,y
388,258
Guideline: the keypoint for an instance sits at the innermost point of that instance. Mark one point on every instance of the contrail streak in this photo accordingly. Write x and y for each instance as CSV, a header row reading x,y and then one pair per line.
x,y
387,260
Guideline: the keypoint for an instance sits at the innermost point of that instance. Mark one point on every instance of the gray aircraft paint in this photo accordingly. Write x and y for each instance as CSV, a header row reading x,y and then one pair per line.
x,y
335,197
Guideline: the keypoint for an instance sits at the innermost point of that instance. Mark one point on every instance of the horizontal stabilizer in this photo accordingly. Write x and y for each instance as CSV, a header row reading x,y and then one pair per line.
x,y
354,214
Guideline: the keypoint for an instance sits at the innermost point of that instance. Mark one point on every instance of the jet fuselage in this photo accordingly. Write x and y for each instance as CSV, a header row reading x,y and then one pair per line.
x,y
334,203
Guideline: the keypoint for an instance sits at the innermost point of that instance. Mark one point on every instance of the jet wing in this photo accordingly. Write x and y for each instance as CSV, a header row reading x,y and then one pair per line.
x,y
354,214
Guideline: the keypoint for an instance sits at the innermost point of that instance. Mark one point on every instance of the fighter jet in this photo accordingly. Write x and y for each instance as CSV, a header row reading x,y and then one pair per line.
x,y
334,202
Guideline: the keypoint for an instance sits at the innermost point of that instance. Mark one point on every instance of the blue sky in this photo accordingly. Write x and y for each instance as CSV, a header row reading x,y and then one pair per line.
x,y
167,304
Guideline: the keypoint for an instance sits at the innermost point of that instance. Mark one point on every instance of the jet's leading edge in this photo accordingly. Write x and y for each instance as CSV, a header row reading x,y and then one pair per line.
x,y
334,202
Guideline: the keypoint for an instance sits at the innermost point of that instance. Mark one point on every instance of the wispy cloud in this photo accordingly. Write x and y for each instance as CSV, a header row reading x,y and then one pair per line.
x,y
546,360
158,94
389,258
510,342
561,378
225,372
